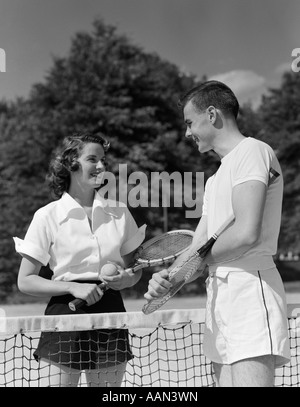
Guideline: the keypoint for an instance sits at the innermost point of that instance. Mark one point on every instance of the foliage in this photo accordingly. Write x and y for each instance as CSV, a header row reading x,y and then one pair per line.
x,y
108,83
280,118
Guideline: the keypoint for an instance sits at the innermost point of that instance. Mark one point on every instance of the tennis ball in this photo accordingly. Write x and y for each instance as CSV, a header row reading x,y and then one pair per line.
x,y
109,269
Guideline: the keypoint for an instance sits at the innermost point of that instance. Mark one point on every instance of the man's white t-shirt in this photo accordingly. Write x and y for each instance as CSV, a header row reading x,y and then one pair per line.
x,y
250,160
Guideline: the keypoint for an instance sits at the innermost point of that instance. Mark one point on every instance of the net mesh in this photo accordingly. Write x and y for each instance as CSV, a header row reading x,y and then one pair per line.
x,y
165,348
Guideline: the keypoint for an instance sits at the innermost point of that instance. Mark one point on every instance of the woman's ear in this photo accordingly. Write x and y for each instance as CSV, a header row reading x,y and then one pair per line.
x,y
74,166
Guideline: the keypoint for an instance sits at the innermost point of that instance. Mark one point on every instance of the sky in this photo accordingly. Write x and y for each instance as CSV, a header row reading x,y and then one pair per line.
x,y
247,44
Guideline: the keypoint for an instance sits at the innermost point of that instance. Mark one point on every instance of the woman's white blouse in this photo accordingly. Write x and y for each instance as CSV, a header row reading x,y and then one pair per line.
x,y
60,234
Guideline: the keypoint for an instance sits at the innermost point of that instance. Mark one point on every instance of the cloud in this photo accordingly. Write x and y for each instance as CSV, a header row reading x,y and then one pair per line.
x,y
282,68
247,85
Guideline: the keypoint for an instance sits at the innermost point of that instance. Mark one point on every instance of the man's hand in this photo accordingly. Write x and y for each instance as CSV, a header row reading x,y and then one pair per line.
x,y
158,285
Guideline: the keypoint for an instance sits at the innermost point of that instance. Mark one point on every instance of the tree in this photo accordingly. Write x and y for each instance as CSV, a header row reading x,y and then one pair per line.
x,y
108,83
280,119
104,82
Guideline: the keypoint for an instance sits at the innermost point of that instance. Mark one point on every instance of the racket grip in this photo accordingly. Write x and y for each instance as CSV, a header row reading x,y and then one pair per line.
x,y
74,305
202,252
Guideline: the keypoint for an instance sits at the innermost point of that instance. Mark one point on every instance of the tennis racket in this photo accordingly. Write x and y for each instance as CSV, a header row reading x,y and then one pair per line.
x,y
181,273
157,251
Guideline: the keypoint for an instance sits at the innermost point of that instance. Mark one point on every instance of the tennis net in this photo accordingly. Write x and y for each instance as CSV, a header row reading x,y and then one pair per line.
x,y
164,348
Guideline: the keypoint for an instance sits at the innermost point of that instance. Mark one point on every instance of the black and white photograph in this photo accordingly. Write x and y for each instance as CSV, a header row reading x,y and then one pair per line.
x,y
150,196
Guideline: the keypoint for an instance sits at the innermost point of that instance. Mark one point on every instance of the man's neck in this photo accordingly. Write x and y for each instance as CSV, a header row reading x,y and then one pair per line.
x,y
227,138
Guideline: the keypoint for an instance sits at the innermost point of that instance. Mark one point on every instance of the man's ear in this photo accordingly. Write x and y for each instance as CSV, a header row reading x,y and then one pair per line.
x,y
212,114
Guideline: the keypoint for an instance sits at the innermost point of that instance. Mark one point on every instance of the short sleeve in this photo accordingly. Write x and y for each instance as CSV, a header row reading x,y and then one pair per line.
x,y
133,236
37,240
254,164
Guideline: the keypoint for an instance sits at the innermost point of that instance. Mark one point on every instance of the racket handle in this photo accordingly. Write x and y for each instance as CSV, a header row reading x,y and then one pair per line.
x,y
224,226
202,252
74,305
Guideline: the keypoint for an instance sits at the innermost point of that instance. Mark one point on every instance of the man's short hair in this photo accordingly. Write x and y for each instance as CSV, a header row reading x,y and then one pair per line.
x,y
212,93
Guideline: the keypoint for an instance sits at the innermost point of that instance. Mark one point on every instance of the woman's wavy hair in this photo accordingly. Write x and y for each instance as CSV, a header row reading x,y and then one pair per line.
x,y
65,160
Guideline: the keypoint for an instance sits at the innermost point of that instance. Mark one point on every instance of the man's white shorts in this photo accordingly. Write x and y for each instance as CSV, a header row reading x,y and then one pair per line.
x,y
246,316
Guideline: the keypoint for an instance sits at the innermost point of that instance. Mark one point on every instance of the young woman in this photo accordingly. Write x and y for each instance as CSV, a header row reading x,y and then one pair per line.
x,y
76,235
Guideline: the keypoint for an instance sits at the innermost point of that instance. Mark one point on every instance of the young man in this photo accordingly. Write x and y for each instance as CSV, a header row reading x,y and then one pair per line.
x,y
246,333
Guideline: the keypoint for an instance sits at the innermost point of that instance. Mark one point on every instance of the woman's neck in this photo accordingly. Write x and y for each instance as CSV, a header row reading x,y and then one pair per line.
x,y
83,197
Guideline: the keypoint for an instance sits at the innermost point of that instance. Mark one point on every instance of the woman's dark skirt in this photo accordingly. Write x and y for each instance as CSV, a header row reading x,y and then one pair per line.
x,y
94,349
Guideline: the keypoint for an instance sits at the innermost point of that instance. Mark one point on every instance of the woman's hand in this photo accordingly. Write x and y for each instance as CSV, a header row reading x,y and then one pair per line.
x,y
90,293
120,279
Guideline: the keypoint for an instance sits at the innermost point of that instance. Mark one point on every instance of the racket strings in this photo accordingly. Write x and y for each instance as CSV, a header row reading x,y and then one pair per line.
x,y
178,279
169,245
186,271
